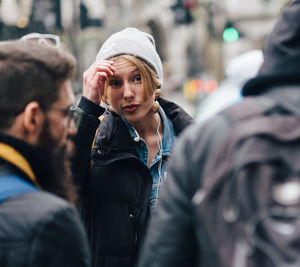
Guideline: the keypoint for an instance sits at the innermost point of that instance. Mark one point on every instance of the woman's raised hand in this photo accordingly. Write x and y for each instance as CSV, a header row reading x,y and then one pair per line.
x,y
94,79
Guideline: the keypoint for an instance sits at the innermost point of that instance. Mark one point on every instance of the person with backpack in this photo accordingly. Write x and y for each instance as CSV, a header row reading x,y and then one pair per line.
x,y
120,175
39,225
232,194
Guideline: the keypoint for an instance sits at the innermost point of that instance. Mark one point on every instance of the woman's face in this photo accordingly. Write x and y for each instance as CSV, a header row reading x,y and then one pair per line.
x,y
125,92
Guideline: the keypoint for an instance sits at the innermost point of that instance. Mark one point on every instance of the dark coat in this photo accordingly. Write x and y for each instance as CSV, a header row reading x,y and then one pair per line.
x,y
172,240
116,189
38,228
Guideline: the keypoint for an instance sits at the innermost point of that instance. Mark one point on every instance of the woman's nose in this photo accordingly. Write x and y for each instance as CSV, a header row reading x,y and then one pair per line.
x,y
127,91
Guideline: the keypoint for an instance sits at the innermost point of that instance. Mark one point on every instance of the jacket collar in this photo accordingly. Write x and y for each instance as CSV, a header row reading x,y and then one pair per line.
x,y
113,134
168,135
28,160
178,116
11,155
285,73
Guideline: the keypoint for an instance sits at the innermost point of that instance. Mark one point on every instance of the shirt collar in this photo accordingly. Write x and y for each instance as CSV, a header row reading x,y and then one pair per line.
x,y
169,134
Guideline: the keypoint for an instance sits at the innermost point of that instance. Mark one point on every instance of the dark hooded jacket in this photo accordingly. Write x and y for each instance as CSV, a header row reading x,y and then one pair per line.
x,y
115,184
172,237
37,228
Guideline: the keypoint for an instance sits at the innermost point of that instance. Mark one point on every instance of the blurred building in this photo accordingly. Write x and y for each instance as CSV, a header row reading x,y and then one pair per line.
x,y
195,38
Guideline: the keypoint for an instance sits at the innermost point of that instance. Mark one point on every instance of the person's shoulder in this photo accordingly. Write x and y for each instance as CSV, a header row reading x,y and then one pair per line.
x,y
176,114
112,130
193,149
23,214
37,205
207,129
200,140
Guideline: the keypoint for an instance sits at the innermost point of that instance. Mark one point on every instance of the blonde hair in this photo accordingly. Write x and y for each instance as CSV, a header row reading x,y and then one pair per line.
x,y
149,78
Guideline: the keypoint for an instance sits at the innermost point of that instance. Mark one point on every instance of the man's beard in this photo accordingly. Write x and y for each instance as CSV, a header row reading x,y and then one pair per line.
x,y
59,159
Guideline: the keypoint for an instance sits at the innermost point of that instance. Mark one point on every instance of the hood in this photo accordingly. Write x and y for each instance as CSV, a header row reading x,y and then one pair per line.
x,y
284,72
281,53
284,39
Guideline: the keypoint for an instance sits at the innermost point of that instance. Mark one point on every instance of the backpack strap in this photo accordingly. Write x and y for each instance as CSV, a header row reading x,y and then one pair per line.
x,y
11,185
236,116
287,98
250,107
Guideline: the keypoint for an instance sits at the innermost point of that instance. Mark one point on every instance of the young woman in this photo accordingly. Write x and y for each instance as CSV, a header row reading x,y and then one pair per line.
x,y
120,178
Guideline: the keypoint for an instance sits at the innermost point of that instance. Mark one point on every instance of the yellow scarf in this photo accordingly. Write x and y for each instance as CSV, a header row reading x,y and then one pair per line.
x,y
11,155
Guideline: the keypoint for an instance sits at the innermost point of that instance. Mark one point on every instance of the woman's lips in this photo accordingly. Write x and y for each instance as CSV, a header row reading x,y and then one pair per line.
x,y
130,108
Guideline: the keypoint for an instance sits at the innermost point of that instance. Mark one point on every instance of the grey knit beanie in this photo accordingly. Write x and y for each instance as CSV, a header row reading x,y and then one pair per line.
x,y
133,42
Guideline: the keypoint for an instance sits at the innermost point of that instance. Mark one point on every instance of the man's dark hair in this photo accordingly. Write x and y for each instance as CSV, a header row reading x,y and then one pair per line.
x,y
30,72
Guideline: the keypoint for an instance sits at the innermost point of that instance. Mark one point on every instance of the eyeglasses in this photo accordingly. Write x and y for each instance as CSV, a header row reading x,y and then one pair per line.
x,y
73,114
47,39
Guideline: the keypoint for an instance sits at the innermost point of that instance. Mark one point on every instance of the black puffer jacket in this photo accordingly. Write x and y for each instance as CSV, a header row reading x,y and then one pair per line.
x,y
37,228
117,187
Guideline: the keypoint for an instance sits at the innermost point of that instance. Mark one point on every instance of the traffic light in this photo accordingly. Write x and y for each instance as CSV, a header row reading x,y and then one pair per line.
x,y
230,33
182,11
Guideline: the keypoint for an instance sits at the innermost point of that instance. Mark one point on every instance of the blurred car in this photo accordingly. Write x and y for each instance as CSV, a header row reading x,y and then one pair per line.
x,y
238,71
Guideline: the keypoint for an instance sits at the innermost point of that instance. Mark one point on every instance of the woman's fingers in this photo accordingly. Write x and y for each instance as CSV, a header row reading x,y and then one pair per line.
x,y
102,65
98,67
94,79
94,86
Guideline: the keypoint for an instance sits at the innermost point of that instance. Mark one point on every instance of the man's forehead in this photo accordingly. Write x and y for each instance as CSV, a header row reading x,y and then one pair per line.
x,y
66,95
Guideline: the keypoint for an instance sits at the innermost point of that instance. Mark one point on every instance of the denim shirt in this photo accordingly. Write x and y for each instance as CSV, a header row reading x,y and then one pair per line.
x,y
159,163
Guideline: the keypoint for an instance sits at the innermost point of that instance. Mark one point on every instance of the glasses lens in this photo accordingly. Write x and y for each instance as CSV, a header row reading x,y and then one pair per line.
x,y
75,116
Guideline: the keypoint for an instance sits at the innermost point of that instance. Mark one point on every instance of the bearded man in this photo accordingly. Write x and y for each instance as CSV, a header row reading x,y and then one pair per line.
x,y
38,222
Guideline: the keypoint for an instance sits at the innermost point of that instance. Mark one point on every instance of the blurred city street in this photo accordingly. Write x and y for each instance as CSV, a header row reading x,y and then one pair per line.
x,y
196,39
177,97
150,133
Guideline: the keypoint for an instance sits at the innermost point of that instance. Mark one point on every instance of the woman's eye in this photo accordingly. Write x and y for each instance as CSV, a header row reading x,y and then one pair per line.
x,y
114,83
137,78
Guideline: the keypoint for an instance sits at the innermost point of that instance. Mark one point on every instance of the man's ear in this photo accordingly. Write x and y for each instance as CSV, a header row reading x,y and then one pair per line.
x,y
33,118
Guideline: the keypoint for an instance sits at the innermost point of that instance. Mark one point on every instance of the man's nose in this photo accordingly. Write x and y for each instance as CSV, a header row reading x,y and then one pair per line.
x,y
72,128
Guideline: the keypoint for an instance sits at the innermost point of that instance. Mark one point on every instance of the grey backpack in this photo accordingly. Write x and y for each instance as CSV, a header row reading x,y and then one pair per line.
x,y
248,207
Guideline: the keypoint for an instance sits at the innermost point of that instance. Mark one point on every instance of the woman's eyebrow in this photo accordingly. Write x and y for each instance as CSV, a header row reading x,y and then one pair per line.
x,y
117,75
136,69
